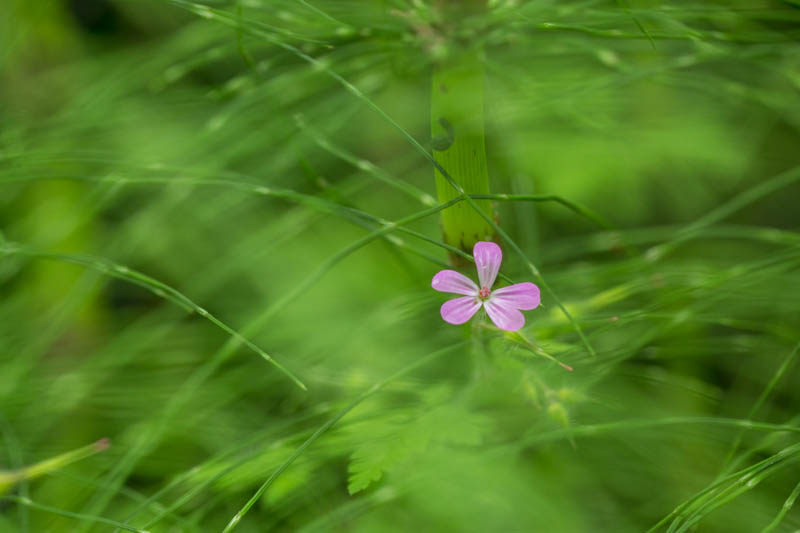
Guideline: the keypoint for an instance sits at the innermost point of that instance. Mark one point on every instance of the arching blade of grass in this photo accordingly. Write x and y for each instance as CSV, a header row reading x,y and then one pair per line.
x,y
69,514
329,424
590,430
623,5
580,210
362,164
721,496
738,202
320,12
785,508
130,495
158,288
773,382
607,241
742,476
164,511
695,512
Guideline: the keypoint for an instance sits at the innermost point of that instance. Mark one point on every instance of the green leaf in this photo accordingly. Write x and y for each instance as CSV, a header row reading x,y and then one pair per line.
x,y
434,426
369,462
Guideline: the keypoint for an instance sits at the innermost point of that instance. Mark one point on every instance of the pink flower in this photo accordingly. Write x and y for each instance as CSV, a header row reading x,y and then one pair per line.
x,y
502,305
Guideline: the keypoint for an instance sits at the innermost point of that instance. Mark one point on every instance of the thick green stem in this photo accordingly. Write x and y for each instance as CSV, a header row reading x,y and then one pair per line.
x,y
457,131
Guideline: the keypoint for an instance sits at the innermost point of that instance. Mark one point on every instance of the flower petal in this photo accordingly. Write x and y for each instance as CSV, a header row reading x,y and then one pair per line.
x,y
452,281
503,315
459,310
488,257
519,296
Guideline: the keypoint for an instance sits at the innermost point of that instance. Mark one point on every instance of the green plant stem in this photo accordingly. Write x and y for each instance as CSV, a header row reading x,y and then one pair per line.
x,y
457,131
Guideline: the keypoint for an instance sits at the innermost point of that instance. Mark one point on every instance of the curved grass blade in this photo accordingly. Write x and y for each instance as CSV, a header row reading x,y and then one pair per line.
x,y
717,498
158,288
744,474
69,514
785,508
782,369
363,164
591,430
738,202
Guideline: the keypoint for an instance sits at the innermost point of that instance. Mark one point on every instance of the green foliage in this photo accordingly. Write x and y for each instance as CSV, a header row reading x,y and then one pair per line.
x,y
386,444
206,204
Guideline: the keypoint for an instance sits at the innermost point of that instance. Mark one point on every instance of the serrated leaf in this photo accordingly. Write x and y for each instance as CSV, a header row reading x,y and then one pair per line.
x,y
369,462
450,423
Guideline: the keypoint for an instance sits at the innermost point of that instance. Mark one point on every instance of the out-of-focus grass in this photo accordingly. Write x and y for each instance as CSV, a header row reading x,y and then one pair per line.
x,y
160,160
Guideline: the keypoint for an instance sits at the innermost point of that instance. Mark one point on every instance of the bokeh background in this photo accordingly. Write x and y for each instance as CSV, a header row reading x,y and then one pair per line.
x,y
186,187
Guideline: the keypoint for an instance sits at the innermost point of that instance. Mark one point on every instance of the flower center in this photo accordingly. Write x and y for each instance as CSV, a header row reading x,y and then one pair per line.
x,y
484,293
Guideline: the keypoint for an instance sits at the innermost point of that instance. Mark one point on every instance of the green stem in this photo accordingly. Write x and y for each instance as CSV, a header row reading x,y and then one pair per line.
x,y
457,133
9,479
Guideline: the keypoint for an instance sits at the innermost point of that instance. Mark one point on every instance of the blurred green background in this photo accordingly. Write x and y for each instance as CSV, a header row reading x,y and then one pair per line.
x,y
186,187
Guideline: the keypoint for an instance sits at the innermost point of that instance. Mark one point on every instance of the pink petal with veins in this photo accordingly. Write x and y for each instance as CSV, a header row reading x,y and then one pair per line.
x,y
504,316
519,296
488,257
452,281
459,310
